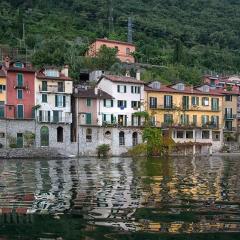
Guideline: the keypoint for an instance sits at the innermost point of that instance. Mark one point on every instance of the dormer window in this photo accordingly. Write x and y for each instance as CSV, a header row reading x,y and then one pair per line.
x,y
156,85
18,65
180,86
205,88
51,73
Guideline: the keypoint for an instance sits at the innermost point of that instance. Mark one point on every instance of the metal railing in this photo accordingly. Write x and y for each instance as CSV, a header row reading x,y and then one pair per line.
x,y
52,89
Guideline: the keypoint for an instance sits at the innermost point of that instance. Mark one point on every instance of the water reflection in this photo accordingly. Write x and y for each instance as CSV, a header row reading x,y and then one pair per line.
x,y
178,195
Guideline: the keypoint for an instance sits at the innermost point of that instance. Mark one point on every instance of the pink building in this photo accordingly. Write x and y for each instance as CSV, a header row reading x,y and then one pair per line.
x,y
124,49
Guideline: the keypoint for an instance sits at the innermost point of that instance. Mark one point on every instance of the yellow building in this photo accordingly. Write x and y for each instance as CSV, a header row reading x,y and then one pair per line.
x,y
194,114
2,93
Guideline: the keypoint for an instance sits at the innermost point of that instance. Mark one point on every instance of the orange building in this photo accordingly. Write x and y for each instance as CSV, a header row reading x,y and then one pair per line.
x,y
124,49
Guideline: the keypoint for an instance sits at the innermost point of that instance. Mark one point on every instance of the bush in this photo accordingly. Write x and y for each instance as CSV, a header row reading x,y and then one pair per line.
x,y
102,150
138,150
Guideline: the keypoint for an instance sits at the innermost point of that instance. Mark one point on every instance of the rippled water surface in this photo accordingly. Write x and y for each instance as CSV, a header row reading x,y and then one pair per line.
x,y
120,198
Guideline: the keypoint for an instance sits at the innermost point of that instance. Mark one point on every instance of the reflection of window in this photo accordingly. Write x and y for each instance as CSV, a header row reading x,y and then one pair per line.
x,y
88,135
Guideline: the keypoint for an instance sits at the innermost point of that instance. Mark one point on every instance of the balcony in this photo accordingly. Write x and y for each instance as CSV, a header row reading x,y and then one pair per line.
x,y
230,129
162,107
52,89
230,116
25,87
55,119
210,126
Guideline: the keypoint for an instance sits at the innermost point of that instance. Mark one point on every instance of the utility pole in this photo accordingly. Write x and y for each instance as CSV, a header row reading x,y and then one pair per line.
x,y
130,30
110,17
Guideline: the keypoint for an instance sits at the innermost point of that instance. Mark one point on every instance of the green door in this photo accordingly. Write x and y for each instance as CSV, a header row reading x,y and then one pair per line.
x,y
88,118
55,116
1,109
19,140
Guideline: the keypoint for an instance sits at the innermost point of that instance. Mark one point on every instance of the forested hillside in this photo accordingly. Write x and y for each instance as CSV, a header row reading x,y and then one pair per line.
x,y
188,36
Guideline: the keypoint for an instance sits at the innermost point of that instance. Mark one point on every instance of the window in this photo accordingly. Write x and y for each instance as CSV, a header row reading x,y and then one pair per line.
x,y
60,101
195,101
167,101
88,118
205,88
189,134
153,102
44,98
128,51
121,88
215,121
205,101
205,120
20,80
19,140
108,118
60,87
228,113
185,102
122,104
135,104
228,125
44,86
135,139
2,112
88,135
107,103
59,134
44,135
135,89
20,113
228,98
122,120
168,118
184,119
2,88
180,86
121,138
2,135
152,120
57,116
180,134
136,120
44,116
19,94
205,134
215,104
195,120
18,65
89,102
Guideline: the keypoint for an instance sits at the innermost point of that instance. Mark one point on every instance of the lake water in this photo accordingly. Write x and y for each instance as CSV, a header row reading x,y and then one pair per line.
x,y
120,198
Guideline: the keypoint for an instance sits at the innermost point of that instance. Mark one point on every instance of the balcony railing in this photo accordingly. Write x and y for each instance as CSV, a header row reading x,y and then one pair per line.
x,y
230,116
230,129
52,89
53,119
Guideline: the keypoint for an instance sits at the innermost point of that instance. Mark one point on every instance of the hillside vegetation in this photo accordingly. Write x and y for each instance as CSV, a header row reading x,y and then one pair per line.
x,y
188,36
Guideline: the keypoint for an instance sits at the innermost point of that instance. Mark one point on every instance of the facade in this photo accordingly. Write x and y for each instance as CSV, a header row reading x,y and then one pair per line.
x,y
3,96
53,90
124,49
20,90
193,115
103,119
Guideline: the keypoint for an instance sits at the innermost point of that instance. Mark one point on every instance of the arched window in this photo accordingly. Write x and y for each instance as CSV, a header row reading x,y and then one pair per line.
x,y
44,133
59,134
135,139
121,138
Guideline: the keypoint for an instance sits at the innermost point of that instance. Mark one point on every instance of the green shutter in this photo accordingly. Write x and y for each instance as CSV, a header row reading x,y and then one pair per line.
x,y
111,103
40,115
56,101
20,111
64,101
118,88
104,102
125,89
19,80
49,116
88,118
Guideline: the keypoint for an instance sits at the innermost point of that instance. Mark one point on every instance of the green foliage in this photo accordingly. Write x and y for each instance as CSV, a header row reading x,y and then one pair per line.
x,y
12,141
29,139
102,150
183,35
138,150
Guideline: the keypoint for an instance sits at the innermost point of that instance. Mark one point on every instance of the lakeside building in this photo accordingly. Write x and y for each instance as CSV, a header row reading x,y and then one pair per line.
x,y
124,49
192,116
106,114
3,96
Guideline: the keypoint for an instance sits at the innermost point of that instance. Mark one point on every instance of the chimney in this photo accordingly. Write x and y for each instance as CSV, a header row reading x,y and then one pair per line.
x,y
65,70
192,88
138,75
7,62
96,90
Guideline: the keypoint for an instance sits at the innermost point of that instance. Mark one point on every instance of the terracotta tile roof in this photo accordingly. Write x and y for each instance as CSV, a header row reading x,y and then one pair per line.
x,y
187,90
25,69
114,41
123,79
90,93
41,75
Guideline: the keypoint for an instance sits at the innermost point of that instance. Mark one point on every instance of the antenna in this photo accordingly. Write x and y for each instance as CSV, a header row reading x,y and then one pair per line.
x,y
110,17
130,30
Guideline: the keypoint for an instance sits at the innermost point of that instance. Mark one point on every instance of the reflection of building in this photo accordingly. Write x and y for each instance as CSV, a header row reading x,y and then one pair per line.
x,y
193,114
124,49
